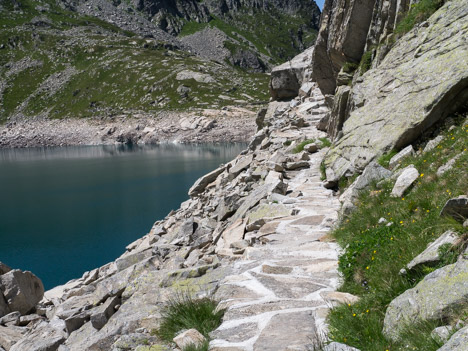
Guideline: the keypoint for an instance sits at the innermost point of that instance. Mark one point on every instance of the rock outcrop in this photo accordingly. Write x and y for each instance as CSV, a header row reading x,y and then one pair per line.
x,y
19,291
422,79
436,297
342,38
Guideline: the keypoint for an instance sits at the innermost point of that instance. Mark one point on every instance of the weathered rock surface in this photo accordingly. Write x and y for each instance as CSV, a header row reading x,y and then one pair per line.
x,y
457,342
21,290
342,38
431,254
404,181
287,79
456,208
396,160
434,298
189,337
434,58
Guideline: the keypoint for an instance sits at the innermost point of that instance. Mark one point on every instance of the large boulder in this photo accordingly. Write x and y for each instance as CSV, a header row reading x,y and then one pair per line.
x,y
21,290
422,79
286,79
434,298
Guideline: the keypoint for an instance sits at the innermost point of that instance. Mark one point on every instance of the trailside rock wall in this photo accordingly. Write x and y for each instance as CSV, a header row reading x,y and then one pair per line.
x,y
422,79
342,38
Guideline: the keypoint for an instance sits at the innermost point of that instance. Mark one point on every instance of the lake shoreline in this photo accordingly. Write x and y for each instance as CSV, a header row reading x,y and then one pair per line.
x,y
199,126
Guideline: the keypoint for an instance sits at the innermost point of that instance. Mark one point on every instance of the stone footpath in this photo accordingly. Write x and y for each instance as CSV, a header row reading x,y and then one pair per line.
x,y
281,291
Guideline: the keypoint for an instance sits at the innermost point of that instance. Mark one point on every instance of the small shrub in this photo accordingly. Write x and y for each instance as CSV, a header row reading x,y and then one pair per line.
x,y
350,67
300,147
323,169
185,312
366,61
325,142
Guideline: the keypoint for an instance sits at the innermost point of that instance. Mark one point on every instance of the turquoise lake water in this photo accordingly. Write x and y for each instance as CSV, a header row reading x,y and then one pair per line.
x,y
67,210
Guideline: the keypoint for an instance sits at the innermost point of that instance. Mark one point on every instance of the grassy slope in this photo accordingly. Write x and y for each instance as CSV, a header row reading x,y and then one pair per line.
x,y
375,253
267,33
115,72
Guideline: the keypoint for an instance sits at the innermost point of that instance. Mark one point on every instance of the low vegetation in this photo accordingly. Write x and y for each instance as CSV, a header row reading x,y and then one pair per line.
x,y
185,312
411,222
300,146
419,12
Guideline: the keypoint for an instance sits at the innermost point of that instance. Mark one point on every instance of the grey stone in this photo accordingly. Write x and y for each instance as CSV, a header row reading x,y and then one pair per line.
x,y
431,254
400,112
432,144
76,321
342,37
442,333
336,346
189,337
448,166
132,341
456,208
404,181
12,318
457,342
4,309
287,79
9,337
43,338
197,76
130,259
25,320
406,152
201,184
372,173
338,115
290,331
22,290
241,164
434,298
297,165
259,193
311,148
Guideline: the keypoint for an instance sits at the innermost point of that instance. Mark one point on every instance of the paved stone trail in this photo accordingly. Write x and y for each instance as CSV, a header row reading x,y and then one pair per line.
x,y
282,290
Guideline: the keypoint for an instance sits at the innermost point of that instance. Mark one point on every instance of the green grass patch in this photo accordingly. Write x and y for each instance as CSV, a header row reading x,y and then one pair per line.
x,y
375,252
384,160
350,67
366,61
185,312
325,142
419,12
300,146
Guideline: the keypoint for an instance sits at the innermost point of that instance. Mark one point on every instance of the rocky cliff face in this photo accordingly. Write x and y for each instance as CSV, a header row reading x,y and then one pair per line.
x,y
422,79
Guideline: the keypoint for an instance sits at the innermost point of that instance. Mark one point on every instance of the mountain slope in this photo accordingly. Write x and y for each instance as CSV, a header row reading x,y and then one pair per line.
x,y
105,58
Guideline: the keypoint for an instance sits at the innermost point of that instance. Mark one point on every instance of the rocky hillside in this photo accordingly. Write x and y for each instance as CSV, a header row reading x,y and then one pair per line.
x,y
258,238
117,59
250,33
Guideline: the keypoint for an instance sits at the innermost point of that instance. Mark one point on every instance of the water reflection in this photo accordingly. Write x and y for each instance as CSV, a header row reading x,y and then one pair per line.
x,y
67,210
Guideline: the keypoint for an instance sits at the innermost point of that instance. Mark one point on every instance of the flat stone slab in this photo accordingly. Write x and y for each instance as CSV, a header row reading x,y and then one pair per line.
x,y
288,331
